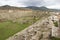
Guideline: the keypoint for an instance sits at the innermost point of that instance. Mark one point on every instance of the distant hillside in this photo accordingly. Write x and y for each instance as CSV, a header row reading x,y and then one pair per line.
x,y
37,8
7,7
55,10
42,8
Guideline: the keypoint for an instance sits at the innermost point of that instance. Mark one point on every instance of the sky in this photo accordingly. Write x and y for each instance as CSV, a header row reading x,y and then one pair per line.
x,y
53,4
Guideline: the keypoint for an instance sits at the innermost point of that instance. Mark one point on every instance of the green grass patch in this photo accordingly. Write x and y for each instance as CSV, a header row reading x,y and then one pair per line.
x,y
8,28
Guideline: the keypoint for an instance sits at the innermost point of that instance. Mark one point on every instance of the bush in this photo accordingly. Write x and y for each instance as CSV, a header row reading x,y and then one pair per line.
x,y
56,24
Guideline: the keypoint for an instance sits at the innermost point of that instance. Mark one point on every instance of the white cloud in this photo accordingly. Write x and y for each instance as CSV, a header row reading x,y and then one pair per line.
x,y
54,6
12,3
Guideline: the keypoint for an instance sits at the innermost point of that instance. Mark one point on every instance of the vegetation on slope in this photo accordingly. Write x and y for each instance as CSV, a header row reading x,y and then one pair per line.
x,y
9,28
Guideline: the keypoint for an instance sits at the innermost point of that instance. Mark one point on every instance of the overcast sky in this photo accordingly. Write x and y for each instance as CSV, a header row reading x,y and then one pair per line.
x,y
22,3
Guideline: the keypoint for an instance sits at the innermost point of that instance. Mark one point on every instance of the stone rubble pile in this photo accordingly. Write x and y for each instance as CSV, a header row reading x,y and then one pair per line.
x,y
41,30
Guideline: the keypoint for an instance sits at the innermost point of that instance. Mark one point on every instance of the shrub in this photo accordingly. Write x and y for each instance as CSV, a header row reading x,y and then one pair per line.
x,y
55,24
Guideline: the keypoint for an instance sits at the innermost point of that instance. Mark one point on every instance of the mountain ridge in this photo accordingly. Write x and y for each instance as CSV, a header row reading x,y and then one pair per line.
x,y
37,8
43,8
